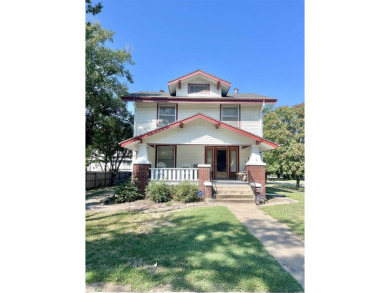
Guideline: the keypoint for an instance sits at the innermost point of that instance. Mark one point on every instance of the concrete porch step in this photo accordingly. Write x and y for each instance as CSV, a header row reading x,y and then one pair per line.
x,y
236,192
235,200
234,196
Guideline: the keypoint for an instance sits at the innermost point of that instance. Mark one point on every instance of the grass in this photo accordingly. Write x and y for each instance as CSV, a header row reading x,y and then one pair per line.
x,y
199,249
293,181
96,193
293,215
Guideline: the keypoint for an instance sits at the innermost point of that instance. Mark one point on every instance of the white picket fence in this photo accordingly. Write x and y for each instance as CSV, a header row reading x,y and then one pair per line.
x,y
174,174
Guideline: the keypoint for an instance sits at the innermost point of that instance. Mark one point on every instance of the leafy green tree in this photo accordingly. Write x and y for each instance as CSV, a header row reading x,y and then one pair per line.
x,y
285,126
106,79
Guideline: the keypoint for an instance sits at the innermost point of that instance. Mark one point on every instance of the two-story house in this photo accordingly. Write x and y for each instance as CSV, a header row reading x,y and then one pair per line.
x,y
199,132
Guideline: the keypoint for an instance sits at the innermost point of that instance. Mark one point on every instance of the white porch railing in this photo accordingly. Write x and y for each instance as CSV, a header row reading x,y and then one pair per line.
x,y
174,174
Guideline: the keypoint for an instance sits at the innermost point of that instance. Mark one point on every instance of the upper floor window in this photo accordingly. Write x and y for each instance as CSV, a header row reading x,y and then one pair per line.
x,y
198,88
166,114
230,114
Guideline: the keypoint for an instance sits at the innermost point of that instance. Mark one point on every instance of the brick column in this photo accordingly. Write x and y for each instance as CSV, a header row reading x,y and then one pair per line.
x,y
141,175
256,173
205,177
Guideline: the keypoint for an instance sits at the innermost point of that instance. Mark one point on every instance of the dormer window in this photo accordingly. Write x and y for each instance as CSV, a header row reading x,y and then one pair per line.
x,y
198,88
167,114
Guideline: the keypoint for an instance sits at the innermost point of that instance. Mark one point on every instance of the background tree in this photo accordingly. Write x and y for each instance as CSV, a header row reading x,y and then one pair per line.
x,y
285,126
107,77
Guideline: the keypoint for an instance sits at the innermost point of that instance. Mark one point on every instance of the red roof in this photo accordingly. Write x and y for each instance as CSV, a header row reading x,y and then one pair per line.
x,y
258,139
201,72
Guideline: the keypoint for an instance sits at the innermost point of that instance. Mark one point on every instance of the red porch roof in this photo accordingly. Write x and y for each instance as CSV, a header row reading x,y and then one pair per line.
x,y
218,124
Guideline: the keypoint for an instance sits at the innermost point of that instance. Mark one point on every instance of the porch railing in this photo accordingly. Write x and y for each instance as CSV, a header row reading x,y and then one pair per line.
x,y
174,174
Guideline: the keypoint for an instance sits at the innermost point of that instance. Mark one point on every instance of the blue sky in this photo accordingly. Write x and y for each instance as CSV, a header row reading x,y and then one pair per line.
x,y
258,46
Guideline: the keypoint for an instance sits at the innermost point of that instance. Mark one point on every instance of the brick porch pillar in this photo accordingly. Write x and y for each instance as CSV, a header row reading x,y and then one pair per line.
x,y
141,175
205,180
255,169
141,169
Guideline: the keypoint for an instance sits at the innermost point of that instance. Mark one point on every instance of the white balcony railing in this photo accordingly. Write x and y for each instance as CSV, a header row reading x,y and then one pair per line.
x,y
174,174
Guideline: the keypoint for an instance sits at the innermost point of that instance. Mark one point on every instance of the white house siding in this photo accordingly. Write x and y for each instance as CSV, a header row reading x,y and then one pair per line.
x,y
193,154
187,110
146,117
199,132
250,118
151,154
244,157
214,92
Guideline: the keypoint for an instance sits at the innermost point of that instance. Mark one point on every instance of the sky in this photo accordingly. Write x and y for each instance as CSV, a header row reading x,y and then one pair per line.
x,y
258,46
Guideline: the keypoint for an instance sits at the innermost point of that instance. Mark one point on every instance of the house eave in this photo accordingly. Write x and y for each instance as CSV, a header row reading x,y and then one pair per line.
x,y
211,100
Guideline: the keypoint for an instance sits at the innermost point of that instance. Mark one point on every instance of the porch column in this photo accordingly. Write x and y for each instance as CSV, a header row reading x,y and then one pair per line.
x,y
255,169
141,168
205,180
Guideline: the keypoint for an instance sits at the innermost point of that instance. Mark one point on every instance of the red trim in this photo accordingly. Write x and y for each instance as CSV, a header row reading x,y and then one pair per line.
x,y
215,100
188,87
155,154
218,84
201,73
206,118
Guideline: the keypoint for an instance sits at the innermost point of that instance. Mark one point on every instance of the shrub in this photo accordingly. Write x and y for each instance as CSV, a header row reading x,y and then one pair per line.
x,y
127,192
185,192
158,191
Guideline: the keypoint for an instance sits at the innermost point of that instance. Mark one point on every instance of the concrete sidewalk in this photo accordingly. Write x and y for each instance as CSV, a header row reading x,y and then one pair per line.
x,y
286,247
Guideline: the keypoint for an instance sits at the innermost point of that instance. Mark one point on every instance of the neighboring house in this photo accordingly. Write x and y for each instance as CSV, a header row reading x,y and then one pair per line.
x,y
126,164
199,132
96,167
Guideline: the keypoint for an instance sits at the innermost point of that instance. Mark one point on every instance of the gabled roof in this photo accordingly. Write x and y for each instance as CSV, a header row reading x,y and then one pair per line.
x,y
181,123
201,72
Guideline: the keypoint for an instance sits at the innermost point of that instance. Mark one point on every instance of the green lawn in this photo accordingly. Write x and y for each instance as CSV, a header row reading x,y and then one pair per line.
x,y
196,249
293,215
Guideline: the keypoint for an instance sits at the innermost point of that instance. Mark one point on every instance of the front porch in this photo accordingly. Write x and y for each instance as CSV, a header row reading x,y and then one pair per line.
x,y
199,149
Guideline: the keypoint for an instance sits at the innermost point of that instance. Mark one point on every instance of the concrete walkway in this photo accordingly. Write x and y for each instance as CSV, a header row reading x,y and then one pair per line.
x,y
286,247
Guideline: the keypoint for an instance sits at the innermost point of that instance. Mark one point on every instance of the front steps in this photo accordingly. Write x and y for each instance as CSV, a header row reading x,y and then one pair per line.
x,y
238,193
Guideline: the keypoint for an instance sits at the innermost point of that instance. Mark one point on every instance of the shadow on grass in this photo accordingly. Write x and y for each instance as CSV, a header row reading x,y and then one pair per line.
x,y
271,189
202,249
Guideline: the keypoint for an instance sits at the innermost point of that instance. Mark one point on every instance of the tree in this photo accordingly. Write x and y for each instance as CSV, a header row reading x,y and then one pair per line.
x,y
107,76
285,126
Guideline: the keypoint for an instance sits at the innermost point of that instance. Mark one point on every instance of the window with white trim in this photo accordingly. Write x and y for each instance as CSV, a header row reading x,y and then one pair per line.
x,y
166,114
165,156
198,88
230,114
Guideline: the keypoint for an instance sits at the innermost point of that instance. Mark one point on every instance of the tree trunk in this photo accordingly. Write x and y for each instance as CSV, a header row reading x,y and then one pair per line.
x,y
278,175
298,181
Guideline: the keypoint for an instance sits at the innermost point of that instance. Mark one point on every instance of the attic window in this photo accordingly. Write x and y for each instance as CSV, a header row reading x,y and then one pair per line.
x,y
198,88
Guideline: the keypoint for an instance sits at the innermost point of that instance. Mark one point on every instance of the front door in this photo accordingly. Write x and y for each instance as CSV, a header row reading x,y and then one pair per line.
x,y
221,162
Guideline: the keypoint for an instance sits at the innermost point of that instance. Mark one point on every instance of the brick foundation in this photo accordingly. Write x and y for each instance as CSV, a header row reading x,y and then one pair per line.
x,y
141,175
205,175
256,174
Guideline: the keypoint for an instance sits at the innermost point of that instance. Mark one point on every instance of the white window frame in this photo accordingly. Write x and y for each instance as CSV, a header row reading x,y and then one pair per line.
x,y
231,116
158,113
199,84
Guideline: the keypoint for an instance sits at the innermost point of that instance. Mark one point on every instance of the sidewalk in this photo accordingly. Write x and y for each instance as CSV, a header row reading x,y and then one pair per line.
x,y
286,247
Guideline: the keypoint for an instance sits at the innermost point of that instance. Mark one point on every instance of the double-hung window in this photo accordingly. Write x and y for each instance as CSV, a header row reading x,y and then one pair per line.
x,y
166,114
230,114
